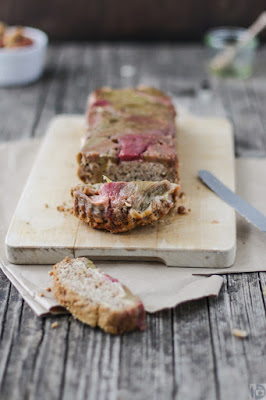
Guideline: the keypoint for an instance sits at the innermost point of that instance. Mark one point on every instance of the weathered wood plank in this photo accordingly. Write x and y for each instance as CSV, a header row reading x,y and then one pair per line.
x,y
238,361
48,373
194,364
21,106
240,107
5,288
92,367
147,361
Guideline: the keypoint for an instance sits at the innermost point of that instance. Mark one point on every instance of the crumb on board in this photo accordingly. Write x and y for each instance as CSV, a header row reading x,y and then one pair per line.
x,y
41,294
27,222
48,289
198,187
240,333
182,196
54,325
182,210
215,221
189,209
63,208
46,205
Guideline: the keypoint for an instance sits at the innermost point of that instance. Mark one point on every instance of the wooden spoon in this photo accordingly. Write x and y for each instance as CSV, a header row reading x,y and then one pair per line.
x,y
225,57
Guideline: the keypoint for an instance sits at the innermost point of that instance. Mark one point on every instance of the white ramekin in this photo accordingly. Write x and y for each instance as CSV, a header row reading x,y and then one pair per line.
x,y
22,65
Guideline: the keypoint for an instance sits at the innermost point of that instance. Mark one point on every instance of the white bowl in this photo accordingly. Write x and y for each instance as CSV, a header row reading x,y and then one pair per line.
x,y
22,65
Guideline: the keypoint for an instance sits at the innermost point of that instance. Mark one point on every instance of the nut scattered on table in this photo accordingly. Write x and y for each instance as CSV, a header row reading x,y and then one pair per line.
x,y
240,333
182,210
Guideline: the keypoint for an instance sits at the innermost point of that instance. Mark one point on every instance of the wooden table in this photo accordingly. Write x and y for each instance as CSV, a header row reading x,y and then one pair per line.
x,y
185,353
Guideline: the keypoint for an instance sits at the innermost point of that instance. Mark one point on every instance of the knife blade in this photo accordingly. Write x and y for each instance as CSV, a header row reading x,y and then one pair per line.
x,y
241,206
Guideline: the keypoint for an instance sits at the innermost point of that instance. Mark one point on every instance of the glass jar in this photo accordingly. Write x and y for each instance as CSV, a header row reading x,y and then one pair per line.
x,y
219,39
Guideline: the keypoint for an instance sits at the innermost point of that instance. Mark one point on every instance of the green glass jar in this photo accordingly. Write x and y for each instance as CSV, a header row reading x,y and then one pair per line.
x,y
219,39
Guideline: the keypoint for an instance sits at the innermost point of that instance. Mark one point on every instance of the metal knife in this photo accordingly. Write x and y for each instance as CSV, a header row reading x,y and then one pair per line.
x,y
241,206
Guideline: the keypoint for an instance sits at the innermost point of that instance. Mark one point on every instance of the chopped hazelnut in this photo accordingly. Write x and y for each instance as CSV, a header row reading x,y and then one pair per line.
x,y
54,325
182,210
240,333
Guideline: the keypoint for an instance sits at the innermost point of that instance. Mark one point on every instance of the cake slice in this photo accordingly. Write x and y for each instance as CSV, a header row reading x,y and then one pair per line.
x,y
95,298
121,206
128,157
131,135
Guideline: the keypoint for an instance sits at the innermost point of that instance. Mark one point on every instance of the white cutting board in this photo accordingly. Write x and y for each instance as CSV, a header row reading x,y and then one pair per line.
x,y
206,237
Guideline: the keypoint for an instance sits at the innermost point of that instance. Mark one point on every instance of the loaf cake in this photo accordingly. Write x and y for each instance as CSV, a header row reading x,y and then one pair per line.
x,y
96,298
131,135
121,206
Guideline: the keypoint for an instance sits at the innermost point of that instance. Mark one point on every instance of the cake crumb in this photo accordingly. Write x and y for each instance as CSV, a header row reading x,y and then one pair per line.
x,y
27,222
46,205
54,325
182,196
51,273
48,289
41,294
182,210
198,187
240,333
66,210
215,221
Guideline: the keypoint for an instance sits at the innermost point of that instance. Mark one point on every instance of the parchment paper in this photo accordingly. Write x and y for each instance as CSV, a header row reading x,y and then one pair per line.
x,y
158,287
